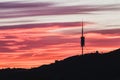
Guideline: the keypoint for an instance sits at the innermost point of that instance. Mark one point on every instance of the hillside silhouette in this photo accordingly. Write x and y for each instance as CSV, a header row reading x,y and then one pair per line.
x,y
93,66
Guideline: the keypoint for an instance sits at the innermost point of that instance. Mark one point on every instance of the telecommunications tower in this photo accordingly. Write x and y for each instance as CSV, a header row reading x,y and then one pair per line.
x,y
82,38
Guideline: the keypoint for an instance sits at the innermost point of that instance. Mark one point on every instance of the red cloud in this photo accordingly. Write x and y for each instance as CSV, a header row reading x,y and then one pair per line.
x,y
33,46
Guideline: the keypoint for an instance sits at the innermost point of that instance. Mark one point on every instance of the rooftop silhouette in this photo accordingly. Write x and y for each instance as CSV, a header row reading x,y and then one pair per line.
x,y
93,66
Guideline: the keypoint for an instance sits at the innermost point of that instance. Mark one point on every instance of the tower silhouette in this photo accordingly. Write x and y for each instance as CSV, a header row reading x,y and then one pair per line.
x,y
82,38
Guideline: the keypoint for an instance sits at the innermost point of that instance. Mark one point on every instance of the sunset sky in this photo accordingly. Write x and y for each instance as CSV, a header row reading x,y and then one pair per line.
x,y
37,32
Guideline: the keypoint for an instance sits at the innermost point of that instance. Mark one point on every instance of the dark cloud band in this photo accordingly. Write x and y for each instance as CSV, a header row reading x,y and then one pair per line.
x,y
21,9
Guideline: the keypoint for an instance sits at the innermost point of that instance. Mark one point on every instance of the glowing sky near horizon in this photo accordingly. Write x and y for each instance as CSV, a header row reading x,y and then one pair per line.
x,y
33,33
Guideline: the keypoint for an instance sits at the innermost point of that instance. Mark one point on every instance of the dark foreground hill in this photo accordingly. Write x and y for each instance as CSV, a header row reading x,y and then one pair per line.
x,y
92,66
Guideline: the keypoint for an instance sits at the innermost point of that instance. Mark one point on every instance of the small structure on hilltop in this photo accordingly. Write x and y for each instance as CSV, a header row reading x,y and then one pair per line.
x,y
97,52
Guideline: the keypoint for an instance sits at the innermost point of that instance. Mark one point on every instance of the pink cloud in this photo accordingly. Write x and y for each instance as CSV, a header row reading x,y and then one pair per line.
x,y
34,46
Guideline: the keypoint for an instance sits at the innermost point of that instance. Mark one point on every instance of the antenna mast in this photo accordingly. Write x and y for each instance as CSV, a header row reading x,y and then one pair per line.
x,y
82,39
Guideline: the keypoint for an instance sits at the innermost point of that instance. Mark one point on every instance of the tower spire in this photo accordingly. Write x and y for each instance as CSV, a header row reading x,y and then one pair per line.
x,y
82,38
82,28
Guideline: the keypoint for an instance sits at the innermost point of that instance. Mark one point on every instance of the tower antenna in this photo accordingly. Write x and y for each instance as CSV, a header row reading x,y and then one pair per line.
x,y
82,38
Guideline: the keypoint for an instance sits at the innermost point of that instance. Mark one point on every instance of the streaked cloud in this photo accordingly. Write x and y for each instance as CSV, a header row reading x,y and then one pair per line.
x,y
108,31
21,9
38,32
